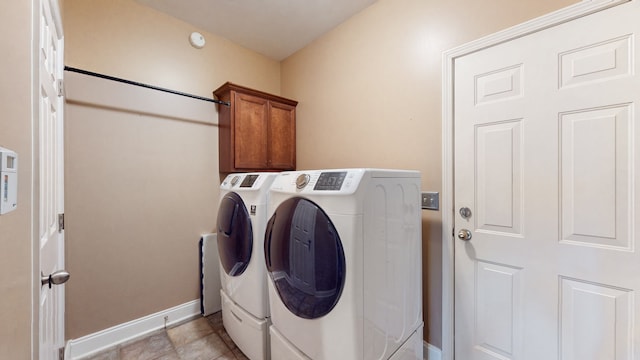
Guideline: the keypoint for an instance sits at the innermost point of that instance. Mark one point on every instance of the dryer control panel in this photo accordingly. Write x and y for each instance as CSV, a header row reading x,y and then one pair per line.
x,y
339,181
330,180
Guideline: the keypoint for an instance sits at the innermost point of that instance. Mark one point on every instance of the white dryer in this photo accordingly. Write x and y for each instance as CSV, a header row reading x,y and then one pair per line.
x,y
241,223
343,251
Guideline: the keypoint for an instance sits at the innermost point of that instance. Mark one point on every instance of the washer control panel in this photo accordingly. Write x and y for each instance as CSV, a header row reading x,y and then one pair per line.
x,y
250,181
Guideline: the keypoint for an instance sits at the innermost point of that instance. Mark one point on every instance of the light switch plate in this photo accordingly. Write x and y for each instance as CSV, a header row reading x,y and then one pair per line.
x,y
430,200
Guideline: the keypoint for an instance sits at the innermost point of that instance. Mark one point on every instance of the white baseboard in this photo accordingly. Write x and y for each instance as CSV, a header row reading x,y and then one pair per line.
x,y
431,352
101,340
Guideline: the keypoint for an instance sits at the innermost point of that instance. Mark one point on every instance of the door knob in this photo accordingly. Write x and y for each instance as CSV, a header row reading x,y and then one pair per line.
x,y
57,278
464,234
465,212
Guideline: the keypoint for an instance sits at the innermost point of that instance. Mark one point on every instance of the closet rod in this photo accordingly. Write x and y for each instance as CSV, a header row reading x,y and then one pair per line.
x,y
102,76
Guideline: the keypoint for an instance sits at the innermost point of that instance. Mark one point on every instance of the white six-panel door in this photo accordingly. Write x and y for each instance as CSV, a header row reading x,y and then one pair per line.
x,y
546,151
51,178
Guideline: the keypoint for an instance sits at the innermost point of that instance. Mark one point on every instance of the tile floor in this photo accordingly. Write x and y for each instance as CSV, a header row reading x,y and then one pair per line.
x,y
200,339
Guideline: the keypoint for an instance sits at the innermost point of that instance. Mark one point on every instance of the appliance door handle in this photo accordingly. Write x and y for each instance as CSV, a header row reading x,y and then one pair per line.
x,y
267,242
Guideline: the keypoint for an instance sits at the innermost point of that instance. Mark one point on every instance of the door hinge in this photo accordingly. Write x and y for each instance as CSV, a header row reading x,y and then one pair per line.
x,y
60,222
60,83
61,353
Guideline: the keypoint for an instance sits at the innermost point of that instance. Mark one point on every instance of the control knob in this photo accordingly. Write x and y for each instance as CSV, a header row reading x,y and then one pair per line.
x,y
302,180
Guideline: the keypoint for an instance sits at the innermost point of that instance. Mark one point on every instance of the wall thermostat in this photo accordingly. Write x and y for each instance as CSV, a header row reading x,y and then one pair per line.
x,y
197,40
8,180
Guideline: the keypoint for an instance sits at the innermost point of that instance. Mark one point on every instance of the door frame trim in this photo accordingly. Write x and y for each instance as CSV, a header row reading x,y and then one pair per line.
x,y
583,8
34,180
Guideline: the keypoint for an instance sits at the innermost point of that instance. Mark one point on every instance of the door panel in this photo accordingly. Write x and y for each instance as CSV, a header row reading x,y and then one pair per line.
x,y
499,148
596,141
282,136
612,318
250,127
545,144
51,179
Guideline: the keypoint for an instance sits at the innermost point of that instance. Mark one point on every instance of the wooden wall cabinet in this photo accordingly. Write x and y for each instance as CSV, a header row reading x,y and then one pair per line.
x,y
257,132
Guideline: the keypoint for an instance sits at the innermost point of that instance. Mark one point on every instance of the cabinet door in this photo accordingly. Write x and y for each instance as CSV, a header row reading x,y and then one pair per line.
x,y
250,132
282,136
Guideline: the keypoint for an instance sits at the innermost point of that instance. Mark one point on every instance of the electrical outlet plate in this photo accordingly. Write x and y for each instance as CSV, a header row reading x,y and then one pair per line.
x,y
430,200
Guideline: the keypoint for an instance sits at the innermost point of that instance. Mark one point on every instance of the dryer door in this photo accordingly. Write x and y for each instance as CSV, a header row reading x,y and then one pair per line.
x,y
304,258
235,235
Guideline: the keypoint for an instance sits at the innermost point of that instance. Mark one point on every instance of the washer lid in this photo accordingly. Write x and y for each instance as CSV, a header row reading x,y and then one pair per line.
x,y
235,235
305,258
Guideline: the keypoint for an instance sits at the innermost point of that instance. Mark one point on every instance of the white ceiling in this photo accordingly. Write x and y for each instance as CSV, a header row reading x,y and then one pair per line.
x,y
275,28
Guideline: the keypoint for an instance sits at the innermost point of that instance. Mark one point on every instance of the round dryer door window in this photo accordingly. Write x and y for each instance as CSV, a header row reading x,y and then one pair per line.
x,y
304,257
235,236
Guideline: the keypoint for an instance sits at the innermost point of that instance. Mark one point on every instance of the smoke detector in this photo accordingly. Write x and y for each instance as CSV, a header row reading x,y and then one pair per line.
x,y
197,40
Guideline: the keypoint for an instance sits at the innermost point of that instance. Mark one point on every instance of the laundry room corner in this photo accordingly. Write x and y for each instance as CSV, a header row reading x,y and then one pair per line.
x,y
141,166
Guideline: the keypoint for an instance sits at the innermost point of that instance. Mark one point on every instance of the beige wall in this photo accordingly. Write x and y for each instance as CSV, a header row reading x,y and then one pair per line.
x,y
140,189
369,95
15,134
124,39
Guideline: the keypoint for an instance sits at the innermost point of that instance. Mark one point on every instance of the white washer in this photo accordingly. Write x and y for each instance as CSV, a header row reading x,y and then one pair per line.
x,y
343,251
240,227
